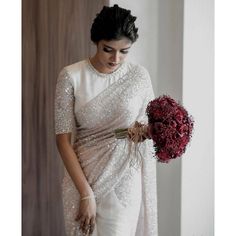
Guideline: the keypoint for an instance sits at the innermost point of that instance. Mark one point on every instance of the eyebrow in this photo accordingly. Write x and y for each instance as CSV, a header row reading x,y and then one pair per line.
x,y
114,48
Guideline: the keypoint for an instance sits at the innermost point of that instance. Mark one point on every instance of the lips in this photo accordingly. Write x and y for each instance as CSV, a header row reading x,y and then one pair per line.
x,y
112,64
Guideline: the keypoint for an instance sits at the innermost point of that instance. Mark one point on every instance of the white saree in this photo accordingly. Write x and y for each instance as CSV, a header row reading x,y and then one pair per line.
x,y
92,105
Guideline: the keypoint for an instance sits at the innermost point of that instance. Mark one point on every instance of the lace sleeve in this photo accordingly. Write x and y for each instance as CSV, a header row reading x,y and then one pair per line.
x,y
64,104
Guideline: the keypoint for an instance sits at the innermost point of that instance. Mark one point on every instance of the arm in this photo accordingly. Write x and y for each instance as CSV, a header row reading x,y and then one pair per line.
x,y
64,119
72,165
87,208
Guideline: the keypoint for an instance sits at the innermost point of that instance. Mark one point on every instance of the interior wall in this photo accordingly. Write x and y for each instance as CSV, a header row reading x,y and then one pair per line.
x,y
55,33
197,202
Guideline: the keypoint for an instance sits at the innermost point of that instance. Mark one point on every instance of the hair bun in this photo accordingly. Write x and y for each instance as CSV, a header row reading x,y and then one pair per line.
x,y
113,23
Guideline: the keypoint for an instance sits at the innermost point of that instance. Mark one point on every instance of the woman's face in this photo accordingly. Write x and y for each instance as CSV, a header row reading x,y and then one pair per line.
x,y
111,54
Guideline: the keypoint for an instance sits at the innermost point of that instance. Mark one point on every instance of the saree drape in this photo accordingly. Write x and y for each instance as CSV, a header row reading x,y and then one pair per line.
x,y
109,164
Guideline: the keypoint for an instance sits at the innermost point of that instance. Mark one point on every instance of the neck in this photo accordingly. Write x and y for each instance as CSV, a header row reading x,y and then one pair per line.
x,y
98,66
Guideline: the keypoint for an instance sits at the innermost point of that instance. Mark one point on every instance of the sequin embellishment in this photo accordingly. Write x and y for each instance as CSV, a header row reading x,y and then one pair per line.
x,y
64,104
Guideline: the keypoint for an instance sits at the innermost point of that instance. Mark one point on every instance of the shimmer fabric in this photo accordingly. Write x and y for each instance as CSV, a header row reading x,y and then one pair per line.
x,y
92,105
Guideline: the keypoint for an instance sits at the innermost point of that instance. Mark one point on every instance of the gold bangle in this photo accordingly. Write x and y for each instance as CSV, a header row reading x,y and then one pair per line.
x,y
87,197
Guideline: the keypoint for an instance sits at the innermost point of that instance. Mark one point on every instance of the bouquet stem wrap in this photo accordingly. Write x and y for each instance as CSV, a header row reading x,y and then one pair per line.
x,y
137,133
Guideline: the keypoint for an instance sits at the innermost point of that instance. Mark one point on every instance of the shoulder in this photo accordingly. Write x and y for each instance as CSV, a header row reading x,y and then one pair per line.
x,y
139,72
141,76
138,69
72,73
74,69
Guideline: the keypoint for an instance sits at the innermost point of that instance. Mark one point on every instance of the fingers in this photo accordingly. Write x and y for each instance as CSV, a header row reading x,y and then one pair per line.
x,y
87,225
92,225
82,222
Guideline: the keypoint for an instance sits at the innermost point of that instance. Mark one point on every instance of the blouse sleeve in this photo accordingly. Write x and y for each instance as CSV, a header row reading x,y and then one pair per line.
x,y
64,104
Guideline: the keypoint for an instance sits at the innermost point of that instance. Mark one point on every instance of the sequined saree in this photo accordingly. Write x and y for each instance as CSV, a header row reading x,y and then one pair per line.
x,y
108,164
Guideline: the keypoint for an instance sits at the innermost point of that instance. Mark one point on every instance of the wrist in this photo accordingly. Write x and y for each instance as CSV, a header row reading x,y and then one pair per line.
x,y
86,192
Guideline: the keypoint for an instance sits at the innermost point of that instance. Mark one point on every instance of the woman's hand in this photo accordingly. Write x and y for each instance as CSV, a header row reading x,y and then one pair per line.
x,y
138,133
87,215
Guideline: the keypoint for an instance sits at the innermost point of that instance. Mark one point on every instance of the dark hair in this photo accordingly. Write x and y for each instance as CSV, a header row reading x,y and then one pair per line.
x,y
113,23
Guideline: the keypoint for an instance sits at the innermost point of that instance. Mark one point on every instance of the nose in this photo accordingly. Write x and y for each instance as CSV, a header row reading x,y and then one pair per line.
x,y
115,57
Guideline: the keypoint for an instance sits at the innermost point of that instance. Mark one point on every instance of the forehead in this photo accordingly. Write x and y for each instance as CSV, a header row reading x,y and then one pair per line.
x,y
117,44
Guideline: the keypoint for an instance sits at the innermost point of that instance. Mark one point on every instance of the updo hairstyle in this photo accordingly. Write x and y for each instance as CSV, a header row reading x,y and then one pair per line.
x,y
113,23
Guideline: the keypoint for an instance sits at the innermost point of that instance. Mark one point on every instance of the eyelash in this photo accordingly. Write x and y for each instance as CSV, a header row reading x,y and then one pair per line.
x,y
107,50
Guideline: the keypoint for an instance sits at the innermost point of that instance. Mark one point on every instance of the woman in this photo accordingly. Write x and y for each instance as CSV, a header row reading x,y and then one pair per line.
x,y
106,190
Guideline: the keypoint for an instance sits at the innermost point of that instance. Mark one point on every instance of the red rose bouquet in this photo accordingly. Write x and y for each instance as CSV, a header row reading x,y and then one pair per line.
x,y
169,126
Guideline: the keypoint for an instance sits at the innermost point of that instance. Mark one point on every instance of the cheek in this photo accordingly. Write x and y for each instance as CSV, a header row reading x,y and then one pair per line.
x,y
104,56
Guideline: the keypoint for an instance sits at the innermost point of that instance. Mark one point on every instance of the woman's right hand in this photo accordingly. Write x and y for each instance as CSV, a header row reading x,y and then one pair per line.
x,y
87,215
87,207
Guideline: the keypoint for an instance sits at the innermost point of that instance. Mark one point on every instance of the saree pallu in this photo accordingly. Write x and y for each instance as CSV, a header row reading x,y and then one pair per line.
x,y
110,164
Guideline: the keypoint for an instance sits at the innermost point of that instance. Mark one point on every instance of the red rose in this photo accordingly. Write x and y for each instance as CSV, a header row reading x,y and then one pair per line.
x,y
163,157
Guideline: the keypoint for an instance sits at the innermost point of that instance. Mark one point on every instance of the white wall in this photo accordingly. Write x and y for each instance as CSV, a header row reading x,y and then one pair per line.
x,y
198,87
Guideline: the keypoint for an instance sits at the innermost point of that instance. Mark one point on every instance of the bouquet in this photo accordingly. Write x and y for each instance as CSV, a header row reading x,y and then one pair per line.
x,y
169,126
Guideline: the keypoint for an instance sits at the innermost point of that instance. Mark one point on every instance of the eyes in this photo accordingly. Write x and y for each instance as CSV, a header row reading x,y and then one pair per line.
x,y
109,50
